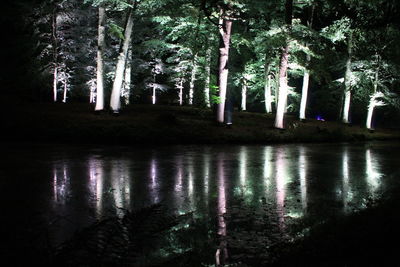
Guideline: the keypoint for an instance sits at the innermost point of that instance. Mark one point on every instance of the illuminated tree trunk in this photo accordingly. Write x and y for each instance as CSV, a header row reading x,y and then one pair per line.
x,y
283,66
55,55
347,81
65,92
115,102
153,97
208,75
126,92
244,93
372,100
55,78
192,80
267,88
181,92
306,76
225,26
100,61
304,94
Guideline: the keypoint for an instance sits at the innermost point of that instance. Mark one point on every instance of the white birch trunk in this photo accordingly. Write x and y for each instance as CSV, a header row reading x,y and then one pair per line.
x,y
304,94
225,36
115,102
347,83
192,80
208,75
100,61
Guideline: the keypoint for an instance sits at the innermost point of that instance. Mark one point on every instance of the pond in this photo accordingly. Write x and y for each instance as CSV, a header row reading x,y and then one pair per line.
x,y
69,187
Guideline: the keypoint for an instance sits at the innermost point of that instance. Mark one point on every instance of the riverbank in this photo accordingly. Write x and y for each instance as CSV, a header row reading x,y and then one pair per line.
x,y
148,124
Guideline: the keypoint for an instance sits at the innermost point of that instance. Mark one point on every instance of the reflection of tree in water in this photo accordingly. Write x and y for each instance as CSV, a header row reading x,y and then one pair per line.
x,y
61,183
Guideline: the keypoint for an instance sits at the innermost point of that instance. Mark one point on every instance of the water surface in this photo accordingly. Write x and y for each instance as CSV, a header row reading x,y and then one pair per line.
x,y
71,186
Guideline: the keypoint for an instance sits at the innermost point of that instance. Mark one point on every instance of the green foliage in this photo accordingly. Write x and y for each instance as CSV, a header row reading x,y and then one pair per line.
x,y
116,31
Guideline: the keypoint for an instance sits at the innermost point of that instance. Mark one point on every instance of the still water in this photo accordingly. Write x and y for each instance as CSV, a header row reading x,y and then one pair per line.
x,y
71,186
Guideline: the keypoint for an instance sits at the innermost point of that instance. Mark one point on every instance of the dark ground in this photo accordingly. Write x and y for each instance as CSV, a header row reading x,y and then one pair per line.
x,y
148,125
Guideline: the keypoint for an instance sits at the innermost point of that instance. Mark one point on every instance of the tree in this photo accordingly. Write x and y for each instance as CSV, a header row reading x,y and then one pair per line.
x,y
100,60
115,101
283,66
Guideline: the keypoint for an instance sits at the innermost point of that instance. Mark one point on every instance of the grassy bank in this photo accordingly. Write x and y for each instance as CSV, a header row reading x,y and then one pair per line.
x,y
147,124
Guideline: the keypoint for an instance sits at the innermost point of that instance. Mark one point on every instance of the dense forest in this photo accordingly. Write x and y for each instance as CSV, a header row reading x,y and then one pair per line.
x,y
330,60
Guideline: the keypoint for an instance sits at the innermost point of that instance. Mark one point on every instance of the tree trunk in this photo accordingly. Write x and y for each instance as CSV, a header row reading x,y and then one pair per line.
x,y
372,100
208,77
267,87
244,93
282,88
55,78
225,36
304,94
306,77
347,81
115,102
55,55
192,80
126,90
283,66
65,92
153,97
100,61
181,92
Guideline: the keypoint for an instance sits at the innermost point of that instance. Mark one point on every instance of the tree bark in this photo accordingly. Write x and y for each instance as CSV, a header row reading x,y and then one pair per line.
x,y
267,87
304,94
208,77
372,100
283,66
126,92
55,55
225,26
100,60
192,80
244,93
347,81
115,102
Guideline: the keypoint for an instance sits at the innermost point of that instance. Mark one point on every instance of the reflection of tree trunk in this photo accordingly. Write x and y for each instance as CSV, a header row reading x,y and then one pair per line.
x,y
225,26
192,80
347,81
115,102
267,87
221,254
100,62
207,81
283,65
